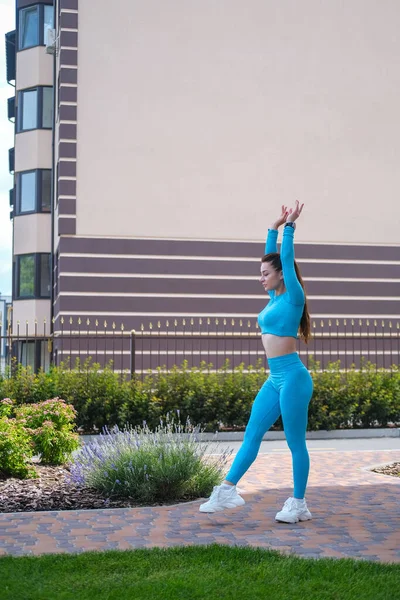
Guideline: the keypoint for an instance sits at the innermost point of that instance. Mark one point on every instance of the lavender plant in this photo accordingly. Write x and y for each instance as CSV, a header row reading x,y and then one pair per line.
x,y
171,463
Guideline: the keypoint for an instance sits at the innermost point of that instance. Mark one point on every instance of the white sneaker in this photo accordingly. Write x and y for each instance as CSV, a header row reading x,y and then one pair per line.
x,y
222,498
293,511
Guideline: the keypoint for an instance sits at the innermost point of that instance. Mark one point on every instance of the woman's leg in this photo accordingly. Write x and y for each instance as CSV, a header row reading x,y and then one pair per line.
x,y
295,395
264,413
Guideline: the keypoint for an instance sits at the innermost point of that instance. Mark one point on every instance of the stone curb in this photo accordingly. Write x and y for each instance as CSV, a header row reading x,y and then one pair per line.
x,y
335,434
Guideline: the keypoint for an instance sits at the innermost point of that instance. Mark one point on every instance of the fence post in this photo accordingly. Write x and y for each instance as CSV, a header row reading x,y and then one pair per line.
x,y
133,353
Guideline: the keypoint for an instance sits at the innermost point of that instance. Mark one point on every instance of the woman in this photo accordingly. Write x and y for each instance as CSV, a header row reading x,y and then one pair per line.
x,y
288,389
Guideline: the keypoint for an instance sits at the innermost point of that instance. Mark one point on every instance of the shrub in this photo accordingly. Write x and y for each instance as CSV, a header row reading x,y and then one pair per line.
x,y
212,398
6,407
50,425
331,407
164,465
223,398
16,449
375,395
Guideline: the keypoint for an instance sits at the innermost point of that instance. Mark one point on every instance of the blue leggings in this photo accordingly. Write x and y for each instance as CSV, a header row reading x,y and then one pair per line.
x,y
286,392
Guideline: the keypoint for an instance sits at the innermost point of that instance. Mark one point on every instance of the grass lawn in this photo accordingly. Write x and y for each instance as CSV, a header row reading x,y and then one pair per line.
x,y
205,572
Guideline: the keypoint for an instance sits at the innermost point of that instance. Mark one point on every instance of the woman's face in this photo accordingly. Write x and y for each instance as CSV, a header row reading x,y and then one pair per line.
x,y
270,279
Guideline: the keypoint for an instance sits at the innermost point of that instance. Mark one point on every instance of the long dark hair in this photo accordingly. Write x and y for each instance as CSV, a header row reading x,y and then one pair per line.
x,y
274,258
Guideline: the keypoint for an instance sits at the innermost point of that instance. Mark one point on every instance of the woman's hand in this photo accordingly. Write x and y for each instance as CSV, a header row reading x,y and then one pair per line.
x,y
282,218
294,214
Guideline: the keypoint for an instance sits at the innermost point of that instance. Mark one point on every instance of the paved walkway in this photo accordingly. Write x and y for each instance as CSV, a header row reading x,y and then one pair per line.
x,y
356,513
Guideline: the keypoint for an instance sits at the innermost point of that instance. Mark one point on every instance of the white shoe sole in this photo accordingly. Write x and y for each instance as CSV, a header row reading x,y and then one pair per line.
x,y
291,520
205,509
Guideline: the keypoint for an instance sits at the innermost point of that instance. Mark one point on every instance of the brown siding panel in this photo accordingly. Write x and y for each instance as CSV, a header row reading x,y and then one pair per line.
x,y
67,168
68,20
67,94
176,266
68,113
67,206
227,249
69,39
66,150
68,57
216,305
232,286
66,226
67,131
68,75
69,4
66,187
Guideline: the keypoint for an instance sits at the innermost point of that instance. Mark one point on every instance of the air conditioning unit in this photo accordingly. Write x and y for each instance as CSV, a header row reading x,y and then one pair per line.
x,y
50,40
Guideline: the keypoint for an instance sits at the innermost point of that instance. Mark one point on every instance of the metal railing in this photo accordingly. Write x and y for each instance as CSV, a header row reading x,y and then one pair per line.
x,y
209,342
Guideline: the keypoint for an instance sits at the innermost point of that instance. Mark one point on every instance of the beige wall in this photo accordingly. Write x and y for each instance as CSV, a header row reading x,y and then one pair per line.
x,y
34,67
32,233
29,311
33,150
198,119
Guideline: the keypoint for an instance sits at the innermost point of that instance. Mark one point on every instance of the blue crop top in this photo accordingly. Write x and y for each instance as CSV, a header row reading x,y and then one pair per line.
x,y
283,313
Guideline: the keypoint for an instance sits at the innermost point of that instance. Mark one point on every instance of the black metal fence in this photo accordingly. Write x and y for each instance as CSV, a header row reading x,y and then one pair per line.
x,y
208,341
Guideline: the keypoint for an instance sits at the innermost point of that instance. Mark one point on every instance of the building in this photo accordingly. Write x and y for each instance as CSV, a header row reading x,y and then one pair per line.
x,y
5,308
155,142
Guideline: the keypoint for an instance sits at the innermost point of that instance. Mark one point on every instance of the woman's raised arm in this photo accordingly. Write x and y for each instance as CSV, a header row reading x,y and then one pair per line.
x,y
292,284
272,238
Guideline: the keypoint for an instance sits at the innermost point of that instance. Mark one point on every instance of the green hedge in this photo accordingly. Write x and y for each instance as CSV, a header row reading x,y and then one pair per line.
x,y
366,398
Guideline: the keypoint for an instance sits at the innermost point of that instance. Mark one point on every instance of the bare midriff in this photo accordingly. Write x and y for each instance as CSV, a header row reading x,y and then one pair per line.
x,y
275,345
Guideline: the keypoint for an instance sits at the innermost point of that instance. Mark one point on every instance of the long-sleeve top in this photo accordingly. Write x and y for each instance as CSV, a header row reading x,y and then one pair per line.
x,y
283,313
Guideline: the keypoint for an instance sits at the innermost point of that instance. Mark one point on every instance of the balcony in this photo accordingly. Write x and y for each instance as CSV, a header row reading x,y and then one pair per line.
x,y
10,57
11,109
11,154
11,196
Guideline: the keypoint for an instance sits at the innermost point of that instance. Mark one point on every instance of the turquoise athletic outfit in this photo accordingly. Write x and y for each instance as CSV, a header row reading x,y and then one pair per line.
x,y
289,387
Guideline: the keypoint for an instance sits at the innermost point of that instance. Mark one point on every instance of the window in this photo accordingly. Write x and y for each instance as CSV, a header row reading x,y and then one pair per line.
x,y
35,109
33,276
26,276
34,22
45,192
29,27
48,21
29,109
33,191
47,111
27,187
33,353
45,276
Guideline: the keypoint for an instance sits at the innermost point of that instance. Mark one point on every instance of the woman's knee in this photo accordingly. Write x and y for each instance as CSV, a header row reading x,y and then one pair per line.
x,y
297,446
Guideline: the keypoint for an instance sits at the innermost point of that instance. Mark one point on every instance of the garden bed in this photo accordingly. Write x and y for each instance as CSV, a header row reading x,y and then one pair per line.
x,y
52,491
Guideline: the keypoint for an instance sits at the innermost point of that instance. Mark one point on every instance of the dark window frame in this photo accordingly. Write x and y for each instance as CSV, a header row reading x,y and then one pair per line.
x,y
38,207
36,276
39,108
41,354
40,25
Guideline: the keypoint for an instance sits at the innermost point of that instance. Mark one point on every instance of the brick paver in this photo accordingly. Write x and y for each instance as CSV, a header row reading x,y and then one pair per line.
x,y
356,513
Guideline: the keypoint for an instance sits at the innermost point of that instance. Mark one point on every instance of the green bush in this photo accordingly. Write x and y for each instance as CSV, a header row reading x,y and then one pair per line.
x,y
50,425
16,448
368,397
223,399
